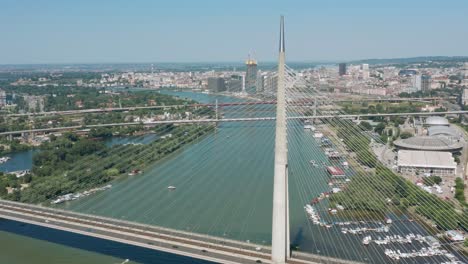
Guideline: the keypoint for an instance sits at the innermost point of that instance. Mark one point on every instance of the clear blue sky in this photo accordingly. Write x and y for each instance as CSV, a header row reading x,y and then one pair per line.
x,y
84,31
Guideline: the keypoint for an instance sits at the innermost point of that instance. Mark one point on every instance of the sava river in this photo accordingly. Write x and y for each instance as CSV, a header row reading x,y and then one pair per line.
x,y
224,188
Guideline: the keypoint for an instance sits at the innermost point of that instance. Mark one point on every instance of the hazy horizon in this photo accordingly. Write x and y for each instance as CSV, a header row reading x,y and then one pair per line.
x,y
182,31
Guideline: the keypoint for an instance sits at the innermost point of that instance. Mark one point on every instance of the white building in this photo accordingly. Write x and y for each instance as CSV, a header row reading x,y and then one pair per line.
x,y
365,71
417,82
436,163
465,96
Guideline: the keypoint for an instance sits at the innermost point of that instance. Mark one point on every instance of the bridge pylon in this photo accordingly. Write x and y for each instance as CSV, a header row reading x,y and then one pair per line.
x,y
280,248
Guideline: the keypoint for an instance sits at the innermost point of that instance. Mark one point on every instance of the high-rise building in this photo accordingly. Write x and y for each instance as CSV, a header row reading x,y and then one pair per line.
x,y
2,98
251,76
417,82
426,83
216,84
465,96
465,70
270,83
365,71
260,84
342,69
235,83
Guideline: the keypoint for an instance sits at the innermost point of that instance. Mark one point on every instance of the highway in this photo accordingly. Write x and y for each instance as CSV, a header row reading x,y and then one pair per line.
x,y
158,238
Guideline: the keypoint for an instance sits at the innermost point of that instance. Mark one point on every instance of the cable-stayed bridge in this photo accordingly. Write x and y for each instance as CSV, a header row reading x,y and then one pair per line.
x,y
221,209
256,102
188,244
326,115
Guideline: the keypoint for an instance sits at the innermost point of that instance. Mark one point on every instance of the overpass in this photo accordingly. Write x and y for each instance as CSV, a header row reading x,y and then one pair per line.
x,y
193,245
247,119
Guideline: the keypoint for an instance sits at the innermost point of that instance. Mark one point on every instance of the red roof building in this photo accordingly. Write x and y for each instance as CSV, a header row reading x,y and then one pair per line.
x,y
336,172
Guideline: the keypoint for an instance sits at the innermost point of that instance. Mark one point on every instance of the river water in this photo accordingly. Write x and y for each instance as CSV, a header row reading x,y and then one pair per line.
x,y
224,188
19,161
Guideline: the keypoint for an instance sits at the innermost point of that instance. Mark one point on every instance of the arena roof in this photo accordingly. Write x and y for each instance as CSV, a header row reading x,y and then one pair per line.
x,y
426,159
442,130
431,143
437,121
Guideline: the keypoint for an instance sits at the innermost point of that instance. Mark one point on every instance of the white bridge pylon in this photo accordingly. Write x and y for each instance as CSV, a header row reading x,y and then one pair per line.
x,y
280,250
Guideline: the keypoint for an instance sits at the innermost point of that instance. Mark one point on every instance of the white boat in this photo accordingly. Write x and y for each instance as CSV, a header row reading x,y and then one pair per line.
x,y
312,214
310,127
366,240
318,135
313,163
171,188
4,159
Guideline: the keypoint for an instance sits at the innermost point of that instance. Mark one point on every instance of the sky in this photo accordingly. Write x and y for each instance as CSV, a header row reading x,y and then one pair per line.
x,y
115,31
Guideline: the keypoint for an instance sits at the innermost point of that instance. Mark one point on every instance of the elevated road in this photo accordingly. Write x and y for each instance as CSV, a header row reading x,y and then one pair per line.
x,y
251,119
271,102
158,238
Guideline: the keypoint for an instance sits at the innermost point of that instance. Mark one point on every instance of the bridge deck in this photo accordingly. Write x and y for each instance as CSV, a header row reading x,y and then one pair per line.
x,y
163,239
250,119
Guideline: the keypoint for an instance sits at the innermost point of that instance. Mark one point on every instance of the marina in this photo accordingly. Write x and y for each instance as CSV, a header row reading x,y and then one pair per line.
x,y
76,196
429,246
332,153
423,252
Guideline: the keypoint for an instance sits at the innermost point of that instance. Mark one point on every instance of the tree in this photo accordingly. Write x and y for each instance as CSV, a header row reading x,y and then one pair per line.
x,y
390,132
112,172
431,180
404,204
3,190
366,158
405,135
446,219
379,108
27,178
52,137
366,125
379,128
440,109
384,138
100,132
404,95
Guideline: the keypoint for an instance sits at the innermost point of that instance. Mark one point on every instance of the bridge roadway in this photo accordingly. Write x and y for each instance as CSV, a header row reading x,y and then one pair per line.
x,y
300,102
250,119
158,238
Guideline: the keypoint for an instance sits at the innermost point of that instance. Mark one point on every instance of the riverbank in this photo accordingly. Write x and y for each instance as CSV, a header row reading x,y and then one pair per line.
x,y
67,165
391,192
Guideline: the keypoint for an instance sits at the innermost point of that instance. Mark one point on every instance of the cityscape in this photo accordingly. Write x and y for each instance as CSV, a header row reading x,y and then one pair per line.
x,y
249,158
